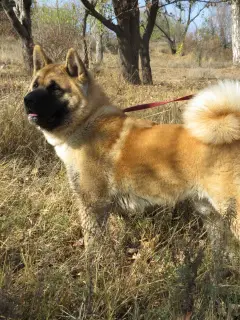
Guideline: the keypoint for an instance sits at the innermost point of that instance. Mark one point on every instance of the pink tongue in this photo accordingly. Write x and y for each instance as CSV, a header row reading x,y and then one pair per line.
x,y
32,114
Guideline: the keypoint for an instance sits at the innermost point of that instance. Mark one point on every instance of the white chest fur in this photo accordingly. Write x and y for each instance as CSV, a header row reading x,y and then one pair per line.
x,y
61,148
62,151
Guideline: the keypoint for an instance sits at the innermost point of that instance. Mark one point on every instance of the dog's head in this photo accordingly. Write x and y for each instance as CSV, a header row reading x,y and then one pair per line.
x,y
58,96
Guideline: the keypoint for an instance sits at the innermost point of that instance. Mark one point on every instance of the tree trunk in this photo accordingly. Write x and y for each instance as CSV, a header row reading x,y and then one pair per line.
x,y
99,47
173,50
152,9
27,50
127,32
145,62
89,48
128,57
21,20
172,45
127,13
85,46
236,31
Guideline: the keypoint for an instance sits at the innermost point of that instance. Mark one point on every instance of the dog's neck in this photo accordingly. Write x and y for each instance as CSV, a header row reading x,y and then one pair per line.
x,y
56,139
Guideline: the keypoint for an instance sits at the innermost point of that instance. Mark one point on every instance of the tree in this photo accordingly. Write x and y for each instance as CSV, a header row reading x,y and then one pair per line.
x,y
57,28
223,23
174,27
5,25
18,12
84,31
127,32
99,45
85,47
128,36
218,24
151,9
101,6
236,31
96,29
169,29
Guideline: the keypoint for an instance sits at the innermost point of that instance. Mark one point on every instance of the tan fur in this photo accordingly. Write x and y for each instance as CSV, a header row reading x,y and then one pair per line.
x,y
111,158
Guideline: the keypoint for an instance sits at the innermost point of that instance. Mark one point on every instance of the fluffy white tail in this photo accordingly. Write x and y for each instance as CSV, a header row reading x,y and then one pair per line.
x,y
213,115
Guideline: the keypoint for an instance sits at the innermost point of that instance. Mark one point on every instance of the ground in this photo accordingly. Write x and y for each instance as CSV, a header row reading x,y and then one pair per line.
x,y
164,266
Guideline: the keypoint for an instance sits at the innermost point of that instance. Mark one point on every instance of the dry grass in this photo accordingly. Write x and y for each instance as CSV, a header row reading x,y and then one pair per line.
x,y
10,51
164,266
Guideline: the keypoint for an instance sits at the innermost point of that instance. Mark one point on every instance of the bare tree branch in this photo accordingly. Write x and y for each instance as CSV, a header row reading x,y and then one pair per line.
x,y
107,23
188,19
167,22
152,14
165,4
163,31
204,7
84,27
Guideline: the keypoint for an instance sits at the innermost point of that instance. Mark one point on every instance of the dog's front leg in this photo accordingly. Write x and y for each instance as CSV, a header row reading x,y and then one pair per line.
x,y
93,208
93,218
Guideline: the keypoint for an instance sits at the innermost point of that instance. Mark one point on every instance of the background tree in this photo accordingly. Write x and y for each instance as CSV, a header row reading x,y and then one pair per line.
x,y
127,31
103,8
84,29
151,11
224,23
218,24
174,23
6,28
57,28
236,31
84,34
97,31
169,28
19,13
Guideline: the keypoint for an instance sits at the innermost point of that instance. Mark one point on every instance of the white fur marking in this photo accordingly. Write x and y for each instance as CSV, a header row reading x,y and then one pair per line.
x,y
213,115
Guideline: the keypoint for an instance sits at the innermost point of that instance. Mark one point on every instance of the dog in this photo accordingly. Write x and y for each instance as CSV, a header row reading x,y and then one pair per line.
x,y
112,159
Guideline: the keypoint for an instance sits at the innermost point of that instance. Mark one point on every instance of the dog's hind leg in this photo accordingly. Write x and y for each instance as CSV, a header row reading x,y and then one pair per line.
x,y
222,221
233,218
213,222
235,221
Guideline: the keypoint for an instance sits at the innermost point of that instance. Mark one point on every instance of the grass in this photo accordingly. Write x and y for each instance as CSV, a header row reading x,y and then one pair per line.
x,y
165,267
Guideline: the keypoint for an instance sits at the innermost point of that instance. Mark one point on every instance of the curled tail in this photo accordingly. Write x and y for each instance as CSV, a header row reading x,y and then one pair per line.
x,y
213,115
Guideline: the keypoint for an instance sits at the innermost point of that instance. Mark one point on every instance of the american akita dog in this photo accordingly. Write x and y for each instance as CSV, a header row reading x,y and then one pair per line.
x,y
112,158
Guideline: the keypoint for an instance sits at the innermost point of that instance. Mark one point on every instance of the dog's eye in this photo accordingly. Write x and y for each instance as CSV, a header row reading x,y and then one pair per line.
x,y
35,85
54,86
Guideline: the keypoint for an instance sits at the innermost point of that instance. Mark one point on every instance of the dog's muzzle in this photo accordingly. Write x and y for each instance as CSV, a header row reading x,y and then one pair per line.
x,y
44,109
37,103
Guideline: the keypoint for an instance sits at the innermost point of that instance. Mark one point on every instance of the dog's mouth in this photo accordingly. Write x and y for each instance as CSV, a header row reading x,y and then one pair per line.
x,y
48,122
33,117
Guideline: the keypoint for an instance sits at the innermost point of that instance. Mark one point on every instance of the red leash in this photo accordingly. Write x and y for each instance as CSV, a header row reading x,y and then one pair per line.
x,y
155,104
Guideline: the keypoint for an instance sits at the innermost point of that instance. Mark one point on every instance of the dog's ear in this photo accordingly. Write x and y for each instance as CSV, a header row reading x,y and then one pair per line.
x,y
40,59
75,67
